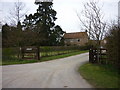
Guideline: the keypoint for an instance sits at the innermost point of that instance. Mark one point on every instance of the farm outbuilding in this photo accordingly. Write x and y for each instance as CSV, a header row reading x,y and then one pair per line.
x,y
76,39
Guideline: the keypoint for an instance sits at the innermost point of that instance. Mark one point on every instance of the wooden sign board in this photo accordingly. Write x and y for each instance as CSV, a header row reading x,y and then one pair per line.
x,y
30,52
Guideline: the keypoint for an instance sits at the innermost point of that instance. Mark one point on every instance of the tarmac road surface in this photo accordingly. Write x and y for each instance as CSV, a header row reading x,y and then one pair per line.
x,y
59,73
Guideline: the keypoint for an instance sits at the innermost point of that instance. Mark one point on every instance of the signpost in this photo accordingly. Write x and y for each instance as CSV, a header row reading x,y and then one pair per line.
x,y
30,52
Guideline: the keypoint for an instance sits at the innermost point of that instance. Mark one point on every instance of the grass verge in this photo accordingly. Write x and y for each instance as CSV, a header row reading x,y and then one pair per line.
x,y
62,56
11,62
100,76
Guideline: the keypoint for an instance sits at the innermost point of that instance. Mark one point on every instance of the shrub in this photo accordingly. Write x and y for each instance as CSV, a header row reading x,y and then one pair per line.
x,y
9,53
113,44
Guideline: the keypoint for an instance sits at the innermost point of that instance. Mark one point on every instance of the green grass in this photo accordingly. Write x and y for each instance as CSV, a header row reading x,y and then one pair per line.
x,y
18,62
15,61
0,62
52,53
100,76
62,56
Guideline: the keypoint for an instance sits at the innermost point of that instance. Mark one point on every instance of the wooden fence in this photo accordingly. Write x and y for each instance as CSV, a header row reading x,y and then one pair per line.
x,y
32,52
97,55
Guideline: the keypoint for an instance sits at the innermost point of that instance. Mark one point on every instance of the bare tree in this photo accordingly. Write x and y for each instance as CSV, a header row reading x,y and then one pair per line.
x,y
93,22
17,12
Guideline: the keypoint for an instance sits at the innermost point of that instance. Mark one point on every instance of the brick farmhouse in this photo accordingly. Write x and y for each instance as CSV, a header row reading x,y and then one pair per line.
x,y
75,39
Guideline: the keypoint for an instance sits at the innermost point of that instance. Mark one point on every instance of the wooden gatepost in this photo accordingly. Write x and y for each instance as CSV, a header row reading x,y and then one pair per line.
x,y
93,55
30,52
101,55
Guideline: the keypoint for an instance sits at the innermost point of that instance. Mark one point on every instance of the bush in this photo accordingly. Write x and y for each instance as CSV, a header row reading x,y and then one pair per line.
x,y
9,53
113,44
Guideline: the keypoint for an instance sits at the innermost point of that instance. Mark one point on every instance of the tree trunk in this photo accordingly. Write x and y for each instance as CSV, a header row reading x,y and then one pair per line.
x,y
97,55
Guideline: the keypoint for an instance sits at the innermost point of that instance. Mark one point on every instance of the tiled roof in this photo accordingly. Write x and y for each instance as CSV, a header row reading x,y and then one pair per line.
x,y
75,35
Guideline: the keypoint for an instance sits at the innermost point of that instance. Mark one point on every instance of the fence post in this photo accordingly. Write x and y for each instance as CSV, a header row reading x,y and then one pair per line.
x,y
38,53
90,55
22,53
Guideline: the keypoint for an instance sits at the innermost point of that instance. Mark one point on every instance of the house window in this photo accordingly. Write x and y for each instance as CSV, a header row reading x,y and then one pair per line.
x,y
78,40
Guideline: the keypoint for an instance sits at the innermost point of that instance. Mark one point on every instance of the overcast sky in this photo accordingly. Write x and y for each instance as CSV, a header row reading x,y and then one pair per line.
x,y
66,11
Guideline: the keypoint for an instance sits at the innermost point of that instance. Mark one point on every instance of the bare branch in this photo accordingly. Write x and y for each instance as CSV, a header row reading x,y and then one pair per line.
x,y
93,21
17,13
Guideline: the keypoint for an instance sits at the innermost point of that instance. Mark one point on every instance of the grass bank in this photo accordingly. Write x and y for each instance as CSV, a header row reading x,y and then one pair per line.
x,y
15,61
100,76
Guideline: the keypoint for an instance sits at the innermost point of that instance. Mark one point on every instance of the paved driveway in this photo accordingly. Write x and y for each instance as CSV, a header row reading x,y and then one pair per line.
x,y
60,73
